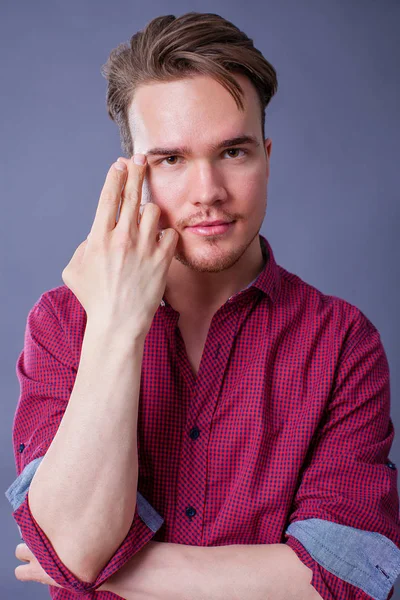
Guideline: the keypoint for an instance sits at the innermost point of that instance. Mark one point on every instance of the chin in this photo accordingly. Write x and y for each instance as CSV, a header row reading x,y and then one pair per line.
x,y
210,257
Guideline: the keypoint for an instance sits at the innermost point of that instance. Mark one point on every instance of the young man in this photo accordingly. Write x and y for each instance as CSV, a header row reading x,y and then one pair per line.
x,y
194,420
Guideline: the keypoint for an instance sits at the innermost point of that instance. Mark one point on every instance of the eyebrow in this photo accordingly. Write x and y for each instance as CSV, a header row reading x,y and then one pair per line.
x,y
243,139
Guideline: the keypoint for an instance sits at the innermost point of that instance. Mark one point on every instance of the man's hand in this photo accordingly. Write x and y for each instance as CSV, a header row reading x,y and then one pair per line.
x,y
136,578
119,272
31,571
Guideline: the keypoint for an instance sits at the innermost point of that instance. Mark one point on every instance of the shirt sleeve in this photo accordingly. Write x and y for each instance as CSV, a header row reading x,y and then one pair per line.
x,y
46,373
345,521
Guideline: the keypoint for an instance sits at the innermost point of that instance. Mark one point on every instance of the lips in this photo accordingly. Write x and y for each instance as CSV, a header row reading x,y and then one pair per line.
x,y
212,230
210,223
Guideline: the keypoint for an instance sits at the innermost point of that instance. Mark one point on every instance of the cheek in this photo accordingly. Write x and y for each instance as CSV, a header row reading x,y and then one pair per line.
x,y
167,193
251,190
161,188
169,208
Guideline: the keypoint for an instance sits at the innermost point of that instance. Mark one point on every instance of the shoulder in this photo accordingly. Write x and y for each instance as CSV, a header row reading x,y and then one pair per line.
x,y
348,320
59,313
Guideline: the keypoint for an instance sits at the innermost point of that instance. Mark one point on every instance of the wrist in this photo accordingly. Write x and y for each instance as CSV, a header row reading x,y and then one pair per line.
x,y
106,332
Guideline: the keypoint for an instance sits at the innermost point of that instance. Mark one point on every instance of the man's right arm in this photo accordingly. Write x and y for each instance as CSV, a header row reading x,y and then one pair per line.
x,y
84,490
47,371
80,517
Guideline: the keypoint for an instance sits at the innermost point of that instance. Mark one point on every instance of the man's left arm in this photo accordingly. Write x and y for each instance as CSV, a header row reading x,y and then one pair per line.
x,y
344,530
234,572
181,572
344,523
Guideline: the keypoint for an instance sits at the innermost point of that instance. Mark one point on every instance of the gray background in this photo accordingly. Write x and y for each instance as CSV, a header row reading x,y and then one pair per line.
x,y
333,206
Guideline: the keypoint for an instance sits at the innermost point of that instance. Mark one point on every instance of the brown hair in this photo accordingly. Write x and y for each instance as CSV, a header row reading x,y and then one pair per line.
x,y
171,48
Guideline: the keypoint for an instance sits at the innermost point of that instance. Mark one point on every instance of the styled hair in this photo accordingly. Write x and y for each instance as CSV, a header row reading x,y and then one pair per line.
x,y
171,48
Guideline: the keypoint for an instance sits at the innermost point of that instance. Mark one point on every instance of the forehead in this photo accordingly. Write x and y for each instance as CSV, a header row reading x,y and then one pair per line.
x,y
194,108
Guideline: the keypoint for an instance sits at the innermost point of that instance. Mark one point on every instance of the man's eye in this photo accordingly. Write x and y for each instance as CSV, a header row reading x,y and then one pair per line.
x,y
168,157
228,150
236,150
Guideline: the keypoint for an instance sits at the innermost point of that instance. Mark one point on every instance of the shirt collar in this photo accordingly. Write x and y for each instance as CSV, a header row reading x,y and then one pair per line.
x,y
269,280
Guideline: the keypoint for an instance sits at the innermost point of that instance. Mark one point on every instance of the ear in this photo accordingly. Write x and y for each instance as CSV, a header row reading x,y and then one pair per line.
x,y
268,148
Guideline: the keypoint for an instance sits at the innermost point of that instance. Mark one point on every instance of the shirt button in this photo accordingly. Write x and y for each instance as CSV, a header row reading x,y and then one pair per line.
x,y
391,465
21,447
194,433
190,511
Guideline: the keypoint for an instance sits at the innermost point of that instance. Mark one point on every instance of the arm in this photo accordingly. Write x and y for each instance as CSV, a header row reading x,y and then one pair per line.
x,y
95,451
82,499
47,369
247,572
83,492
348,495
165,571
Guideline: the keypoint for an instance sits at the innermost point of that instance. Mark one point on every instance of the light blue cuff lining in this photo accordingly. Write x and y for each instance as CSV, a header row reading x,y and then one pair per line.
x,y
18,490
366,559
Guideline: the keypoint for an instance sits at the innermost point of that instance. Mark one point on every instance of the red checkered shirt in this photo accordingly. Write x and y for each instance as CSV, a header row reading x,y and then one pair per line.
x,y
282,437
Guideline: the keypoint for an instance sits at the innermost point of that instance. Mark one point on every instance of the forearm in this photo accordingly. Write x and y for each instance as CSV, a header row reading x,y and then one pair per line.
x,y
252,572
164,571
84,491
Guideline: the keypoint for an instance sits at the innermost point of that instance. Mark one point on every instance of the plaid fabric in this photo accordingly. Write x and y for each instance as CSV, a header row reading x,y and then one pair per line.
x,y
287,422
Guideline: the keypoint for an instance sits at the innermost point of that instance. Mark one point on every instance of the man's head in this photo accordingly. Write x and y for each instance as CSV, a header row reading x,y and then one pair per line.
x,y
190,83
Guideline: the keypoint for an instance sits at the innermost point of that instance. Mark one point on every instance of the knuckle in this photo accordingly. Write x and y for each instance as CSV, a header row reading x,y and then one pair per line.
x,y
152,208
68,276
131,192
122,239
110,198
96,241
67,269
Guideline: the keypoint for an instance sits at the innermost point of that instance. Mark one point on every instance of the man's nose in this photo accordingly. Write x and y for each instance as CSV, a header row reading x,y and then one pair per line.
x,y
207,184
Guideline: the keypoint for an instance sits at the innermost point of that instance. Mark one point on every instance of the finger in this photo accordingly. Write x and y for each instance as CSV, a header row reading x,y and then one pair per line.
x,y
110,195
22,552
127,161
168,239
131,196
24,573
34,573
123,159
148,225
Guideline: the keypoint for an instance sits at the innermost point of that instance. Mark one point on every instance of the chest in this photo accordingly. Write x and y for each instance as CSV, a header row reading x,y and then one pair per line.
x,y
232,439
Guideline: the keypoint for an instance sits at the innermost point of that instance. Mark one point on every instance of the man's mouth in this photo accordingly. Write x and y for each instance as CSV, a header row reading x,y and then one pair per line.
x,y
212,228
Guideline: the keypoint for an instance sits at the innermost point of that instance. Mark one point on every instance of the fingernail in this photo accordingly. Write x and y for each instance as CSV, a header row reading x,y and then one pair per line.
x,y
139,159
121,166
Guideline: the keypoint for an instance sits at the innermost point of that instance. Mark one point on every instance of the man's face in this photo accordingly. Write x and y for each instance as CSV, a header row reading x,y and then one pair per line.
x,y
201,183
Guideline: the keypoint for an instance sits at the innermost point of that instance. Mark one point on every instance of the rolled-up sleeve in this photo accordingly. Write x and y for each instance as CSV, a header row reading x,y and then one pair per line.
x,y
46,373
345,520
349,562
